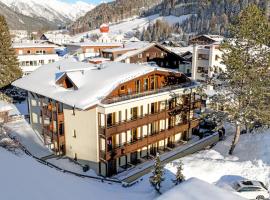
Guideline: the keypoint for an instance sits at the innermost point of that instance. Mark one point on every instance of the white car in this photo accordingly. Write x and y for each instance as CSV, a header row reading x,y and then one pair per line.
x,y
251,189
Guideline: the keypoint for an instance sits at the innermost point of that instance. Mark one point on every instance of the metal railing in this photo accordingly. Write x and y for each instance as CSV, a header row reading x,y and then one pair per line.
x,y
133,95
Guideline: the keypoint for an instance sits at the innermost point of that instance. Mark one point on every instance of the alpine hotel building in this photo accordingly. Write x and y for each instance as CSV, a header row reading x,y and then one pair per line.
x,y
111,116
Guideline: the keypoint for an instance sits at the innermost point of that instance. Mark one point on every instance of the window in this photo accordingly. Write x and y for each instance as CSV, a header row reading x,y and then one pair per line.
x,y
140,55
203,57
134,112
119,116
111,119
74,133
146,84
20,52
28,51
138,86
122,88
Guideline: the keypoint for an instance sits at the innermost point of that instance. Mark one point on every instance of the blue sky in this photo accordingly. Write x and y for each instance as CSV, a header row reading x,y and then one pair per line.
x,y
88,1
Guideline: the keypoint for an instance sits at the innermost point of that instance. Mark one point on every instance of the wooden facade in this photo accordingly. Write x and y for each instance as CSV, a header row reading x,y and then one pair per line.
x,y
34,50
168,111
147,83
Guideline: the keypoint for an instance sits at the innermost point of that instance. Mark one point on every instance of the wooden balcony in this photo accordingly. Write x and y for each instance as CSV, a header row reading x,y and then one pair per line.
x,y
140,143
47,112
132,123
140,121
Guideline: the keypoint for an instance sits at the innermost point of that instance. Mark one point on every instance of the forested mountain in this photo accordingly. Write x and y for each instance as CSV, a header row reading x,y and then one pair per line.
x,y
114,12
206,16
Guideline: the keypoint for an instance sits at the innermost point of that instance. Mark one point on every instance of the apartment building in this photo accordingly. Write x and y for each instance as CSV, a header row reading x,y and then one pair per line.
x,y
31,55
207,63
111,116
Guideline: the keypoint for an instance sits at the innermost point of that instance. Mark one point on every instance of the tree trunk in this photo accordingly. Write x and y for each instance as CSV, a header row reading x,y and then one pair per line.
x,y
236,138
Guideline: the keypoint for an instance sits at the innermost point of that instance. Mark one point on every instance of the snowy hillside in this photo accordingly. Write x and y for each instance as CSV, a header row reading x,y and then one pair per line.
x,y
52,10
130,25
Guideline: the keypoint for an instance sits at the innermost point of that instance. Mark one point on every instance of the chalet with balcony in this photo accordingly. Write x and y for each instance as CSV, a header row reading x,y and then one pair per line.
x,y
111,116
142,52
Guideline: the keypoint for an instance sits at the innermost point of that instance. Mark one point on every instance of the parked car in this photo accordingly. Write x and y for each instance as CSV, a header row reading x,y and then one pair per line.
x,y
208,127
251,189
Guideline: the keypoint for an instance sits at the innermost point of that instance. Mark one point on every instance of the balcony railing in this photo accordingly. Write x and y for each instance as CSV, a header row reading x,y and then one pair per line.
x,y
133,95
129,147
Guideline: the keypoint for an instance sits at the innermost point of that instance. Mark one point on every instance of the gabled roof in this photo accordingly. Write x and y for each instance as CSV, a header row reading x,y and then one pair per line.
x,y
93,82
33,45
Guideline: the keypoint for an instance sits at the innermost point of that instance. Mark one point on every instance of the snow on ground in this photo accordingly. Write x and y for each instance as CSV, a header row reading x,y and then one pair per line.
x,y
201,190
251,160
26,135
137,23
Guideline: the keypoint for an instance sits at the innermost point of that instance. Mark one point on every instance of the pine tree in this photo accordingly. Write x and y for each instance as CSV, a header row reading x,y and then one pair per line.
x,y
9,68
244,93
157,176
179,177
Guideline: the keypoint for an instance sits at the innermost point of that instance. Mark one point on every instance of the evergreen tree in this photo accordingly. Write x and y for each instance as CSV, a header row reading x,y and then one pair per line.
x,y
9,68
157,176
179,177
244,92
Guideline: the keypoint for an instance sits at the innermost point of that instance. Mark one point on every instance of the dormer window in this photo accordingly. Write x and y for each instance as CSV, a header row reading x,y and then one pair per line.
x,y
65,82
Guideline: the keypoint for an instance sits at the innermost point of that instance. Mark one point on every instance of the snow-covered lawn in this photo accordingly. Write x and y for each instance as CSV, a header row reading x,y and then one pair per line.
x,y
251,160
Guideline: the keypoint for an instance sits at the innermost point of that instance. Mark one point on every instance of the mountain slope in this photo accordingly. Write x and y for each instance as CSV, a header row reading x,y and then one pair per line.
x,y
53,11
17,21
112,12
207,16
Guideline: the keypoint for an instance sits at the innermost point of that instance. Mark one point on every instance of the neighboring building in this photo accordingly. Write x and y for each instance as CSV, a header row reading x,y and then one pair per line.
x,y
57,38
89,49
186,54
106,37
142,52
32,55
206,39
206,63
111,116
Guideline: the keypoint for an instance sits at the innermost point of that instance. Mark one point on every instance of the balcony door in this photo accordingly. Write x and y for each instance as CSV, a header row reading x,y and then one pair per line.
x,y
110,119
134,112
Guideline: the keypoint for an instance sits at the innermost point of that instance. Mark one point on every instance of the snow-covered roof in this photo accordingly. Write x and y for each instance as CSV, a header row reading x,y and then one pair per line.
x,y
98,59
92,84
94,44
139,50
32,45
129,46
196,189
